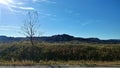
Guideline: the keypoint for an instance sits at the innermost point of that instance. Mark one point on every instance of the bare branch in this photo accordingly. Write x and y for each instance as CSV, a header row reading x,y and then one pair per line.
x,y
31,25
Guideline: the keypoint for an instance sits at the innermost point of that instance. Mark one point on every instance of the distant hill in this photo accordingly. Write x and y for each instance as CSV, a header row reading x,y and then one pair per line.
x,y
5,39
59,38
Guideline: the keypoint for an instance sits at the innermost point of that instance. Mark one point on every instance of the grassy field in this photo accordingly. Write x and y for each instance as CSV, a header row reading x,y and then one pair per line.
x,y
80,63
88,54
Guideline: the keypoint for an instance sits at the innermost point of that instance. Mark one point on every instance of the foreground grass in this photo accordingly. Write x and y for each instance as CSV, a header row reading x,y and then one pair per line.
x,y
80,63
88,54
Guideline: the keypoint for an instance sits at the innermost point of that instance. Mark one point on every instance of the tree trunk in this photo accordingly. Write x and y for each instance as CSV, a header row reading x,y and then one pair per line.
x,y
32,48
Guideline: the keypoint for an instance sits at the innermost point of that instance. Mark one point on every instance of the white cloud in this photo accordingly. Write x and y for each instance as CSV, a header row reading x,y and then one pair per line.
x,y
40,0
88,22
26,8
85,23
14,6
9,28
69,11
45,1
20,3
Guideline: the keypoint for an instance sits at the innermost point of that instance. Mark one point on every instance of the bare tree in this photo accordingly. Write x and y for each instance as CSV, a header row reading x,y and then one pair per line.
x,y
30,29
30,26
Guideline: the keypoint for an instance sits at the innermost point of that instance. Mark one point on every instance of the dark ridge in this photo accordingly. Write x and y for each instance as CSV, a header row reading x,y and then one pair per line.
x,y
60,38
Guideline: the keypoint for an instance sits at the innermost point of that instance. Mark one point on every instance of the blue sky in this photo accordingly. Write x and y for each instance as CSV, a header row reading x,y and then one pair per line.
x,y
80,18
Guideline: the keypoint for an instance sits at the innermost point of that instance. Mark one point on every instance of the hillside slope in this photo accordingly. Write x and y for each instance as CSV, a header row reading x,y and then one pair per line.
x,y
59,38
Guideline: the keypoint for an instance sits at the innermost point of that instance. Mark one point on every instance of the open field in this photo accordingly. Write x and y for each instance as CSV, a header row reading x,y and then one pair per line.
x,y
64,63
82,54
50,66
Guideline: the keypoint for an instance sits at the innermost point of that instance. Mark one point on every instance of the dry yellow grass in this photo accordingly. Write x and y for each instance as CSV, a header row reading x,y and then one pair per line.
x,y
81,63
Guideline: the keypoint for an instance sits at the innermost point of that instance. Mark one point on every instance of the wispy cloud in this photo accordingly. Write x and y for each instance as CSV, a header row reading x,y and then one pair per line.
x,y
69,11
40,0
15,6
86,23
26,8
44,1
72,12
45,14
9,28
89,22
